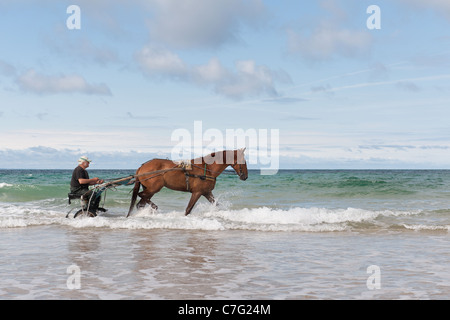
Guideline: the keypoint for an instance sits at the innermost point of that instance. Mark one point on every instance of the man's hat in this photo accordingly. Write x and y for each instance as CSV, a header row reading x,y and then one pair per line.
x,y
84,158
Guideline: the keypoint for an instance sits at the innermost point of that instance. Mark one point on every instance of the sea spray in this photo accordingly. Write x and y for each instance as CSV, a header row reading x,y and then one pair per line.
x,y
210,217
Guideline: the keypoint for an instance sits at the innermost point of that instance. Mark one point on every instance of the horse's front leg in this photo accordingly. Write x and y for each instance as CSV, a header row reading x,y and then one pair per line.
x,y
194,198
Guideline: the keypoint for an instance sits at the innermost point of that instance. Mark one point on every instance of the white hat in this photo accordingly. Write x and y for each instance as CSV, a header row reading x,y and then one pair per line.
x,y
84,158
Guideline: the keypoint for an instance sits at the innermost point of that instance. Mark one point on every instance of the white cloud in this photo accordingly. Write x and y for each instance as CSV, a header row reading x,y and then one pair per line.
x,y
158,61
31,81
301,156
101,139
202,23
212,72
43,157
328,40
329,37
174,23
441,7
340,151
248,78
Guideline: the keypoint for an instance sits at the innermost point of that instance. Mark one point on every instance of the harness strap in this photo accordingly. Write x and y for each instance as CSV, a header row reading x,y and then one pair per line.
x,y
202,177
211,178
186,175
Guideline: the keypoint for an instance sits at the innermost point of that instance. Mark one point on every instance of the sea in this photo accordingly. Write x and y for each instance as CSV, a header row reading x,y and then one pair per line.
x,y
295,235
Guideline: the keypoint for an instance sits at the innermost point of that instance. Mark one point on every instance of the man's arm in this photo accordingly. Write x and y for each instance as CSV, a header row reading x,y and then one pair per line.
x,y
90,181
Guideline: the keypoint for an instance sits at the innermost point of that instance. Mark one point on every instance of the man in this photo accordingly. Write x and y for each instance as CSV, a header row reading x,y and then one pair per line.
x,y
79,185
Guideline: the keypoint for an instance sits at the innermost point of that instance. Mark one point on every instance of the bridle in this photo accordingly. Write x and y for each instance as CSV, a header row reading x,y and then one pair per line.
x,y
241,172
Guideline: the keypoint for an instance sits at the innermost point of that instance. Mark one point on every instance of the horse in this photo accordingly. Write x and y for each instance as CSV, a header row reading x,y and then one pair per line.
x,y
197,176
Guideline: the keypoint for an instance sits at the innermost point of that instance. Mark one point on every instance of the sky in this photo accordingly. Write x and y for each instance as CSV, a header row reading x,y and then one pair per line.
x,y
301,84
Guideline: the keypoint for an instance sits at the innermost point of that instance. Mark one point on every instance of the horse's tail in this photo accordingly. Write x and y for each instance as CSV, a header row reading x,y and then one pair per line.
x,y
136,188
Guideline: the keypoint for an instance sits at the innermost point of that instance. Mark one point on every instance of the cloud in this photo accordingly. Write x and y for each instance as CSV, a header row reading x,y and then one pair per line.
x,y
7,69
408,86
322,88
326,90
387,146
141,117
31,81
246,79
43,157
249,79
174,23
285,100
202,23
317,157
297,118
327,41
329,38
158,61
41,115
82,50
441,7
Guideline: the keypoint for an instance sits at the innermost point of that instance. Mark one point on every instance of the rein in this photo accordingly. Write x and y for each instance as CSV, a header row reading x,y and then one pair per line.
x,y
232,165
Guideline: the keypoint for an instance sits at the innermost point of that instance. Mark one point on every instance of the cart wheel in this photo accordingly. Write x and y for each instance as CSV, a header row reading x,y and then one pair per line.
x,y
81,213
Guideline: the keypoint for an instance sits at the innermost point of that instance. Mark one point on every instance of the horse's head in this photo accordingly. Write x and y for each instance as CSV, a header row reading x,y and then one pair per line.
x,y
240,165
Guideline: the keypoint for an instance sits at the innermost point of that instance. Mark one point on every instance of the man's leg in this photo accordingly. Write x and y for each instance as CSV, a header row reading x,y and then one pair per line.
x,y
92,201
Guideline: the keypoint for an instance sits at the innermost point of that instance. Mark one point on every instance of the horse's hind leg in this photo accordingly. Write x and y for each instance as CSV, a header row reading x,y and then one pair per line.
x,y
145,199
210,198
152,204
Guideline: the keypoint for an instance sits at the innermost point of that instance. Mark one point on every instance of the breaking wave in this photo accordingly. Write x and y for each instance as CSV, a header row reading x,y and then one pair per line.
x,y
211,218
4,185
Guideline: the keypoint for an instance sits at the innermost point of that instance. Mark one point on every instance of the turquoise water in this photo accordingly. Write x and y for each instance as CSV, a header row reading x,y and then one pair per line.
x,y
300,234
308,200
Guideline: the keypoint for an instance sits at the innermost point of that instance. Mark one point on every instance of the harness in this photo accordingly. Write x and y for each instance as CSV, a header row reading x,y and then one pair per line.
x,y
188,167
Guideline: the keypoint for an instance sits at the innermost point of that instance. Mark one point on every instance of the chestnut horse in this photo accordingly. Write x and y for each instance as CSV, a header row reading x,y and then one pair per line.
x,y
197,176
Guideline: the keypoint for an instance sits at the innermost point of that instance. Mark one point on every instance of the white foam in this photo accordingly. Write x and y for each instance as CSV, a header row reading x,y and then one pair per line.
x,y
4,184
205,217
427,227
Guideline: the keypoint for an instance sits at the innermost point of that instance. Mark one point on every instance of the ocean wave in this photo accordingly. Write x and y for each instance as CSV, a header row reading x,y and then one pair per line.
x,y
419,227
211,218
4,185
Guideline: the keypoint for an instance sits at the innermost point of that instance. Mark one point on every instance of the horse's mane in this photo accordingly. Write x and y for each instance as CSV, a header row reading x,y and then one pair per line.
x,y
210,158
201,160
